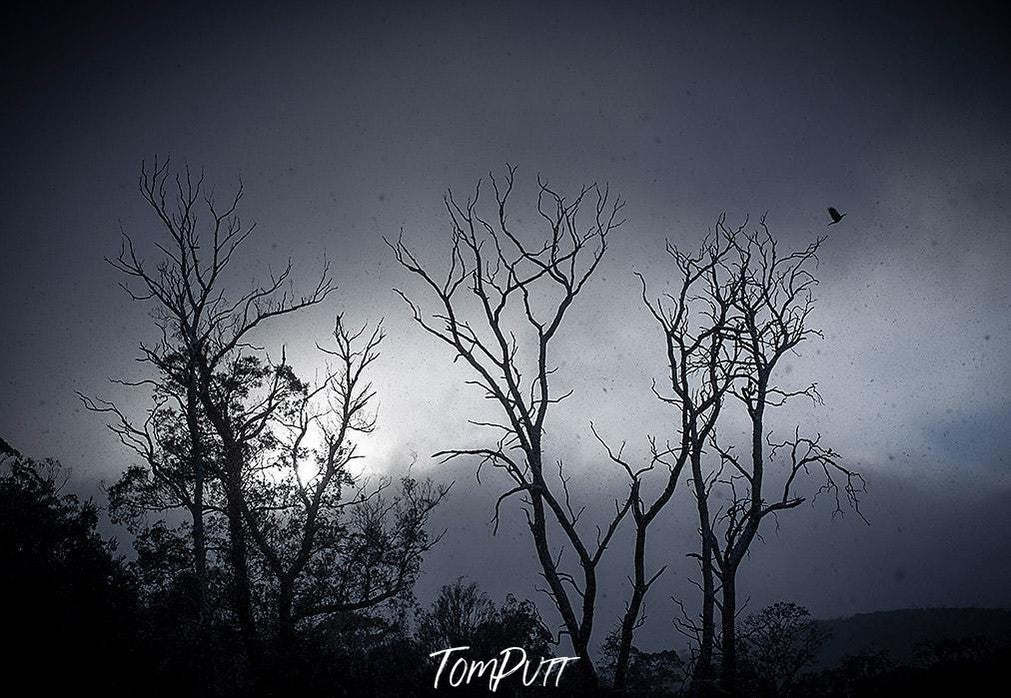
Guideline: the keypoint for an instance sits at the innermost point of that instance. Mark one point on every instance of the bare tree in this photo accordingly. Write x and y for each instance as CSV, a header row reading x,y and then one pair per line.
x,y
696,321
520,289
204,357
330,540
754,304
172,443
305,537
643,514
771,312
174,446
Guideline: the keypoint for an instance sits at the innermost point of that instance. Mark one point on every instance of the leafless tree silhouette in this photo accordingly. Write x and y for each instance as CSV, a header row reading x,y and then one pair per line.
x,y
518,289
205,333
770,320
332,541
701,355
275,450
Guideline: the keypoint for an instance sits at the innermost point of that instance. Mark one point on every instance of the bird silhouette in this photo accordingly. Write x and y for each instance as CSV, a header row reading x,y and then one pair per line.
x,y
836,216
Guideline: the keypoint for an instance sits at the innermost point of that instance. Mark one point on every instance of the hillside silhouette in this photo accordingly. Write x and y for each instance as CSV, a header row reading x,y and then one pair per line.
x,y
901,632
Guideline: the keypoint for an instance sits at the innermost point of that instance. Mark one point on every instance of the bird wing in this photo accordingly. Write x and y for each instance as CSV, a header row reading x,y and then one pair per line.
x,y
832,212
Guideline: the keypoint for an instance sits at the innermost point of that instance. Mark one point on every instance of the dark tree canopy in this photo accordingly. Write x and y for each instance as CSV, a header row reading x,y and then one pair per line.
x,y
71,602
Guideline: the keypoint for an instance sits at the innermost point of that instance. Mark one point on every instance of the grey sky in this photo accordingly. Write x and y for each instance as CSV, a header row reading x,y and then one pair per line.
x,y
348,123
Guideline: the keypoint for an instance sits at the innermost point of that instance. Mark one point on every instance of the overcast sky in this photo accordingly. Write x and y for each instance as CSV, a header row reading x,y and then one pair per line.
x,y
348,123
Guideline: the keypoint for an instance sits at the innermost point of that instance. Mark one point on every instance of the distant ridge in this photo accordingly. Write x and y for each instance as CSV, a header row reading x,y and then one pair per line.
x,y
899,632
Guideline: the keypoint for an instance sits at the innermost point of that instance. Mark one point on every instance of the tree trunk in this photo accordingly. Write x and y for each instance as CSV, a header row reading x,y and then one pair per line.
x,y
200,551
631,616
238,556
197,511
285,618
280,667
587,676
577,632
702,676
205,655
704,667
728,670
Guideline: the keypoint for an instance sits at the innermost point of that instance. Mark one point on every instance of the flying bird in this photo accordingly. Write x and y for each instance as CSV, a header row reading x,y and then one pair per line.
x,y
836,216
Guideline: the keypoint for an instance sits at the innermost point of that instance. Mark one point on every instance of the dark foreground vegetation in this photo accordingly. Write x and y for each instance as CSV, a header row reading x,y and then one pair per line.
x,y
79,614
